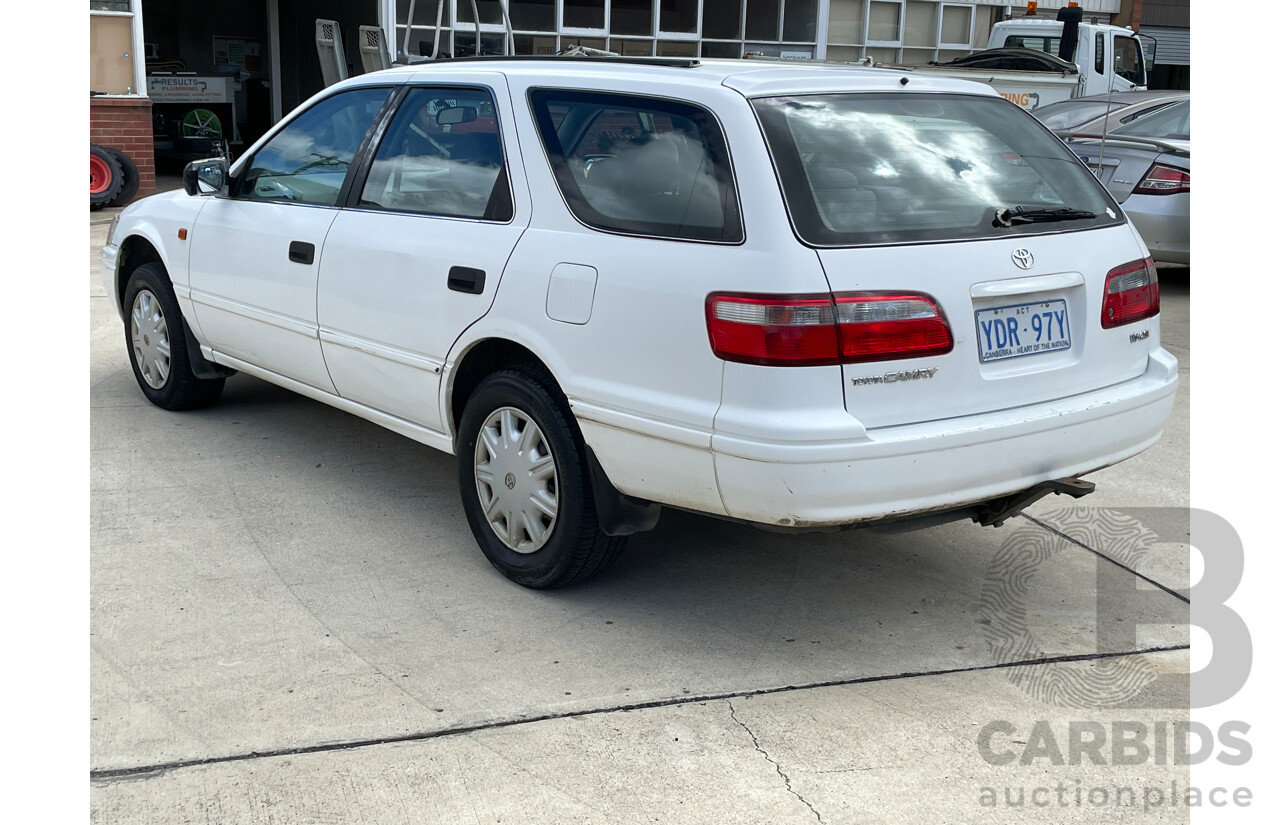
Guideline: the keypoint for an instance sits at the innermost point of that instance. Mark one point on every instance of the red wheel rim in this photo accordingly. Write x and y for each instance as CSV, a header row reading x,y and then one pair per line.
x,y
99,175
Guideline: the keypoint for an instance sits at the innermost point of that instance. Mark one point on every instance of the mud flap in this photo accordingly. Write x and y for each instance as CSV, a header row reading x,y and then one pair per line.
x,y
619,515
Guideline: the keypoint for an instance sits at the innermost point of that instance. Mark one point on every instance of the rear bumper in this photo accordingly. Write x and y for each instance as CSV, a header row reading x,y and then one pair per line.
x,y
1164,222
942,465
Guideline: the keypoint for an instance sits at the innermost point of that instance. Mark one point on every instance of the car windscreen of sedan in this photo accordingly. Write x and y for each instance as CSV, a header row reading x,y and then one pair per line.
x,y
860,169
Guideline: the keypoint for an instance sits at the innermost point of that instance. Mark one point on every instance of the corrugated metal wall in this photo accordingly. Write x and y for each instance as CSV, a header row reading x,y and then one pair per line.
x,y
1173,46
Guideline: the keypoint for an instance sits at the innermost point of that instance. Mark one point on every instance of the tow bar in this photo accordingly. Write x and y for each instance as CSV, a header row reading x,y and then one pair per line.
x,y
996,513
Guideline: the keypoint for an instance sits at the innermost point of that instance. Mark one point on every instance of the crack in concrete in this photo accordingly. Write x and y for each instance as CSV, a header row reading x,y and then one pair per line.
x,y
103,774
1100,554
785,779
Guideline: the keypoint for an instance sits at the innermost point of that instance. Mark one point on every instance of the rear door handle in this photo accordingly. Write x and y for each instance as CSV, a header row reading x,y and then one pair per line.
x,y
301,252
465,279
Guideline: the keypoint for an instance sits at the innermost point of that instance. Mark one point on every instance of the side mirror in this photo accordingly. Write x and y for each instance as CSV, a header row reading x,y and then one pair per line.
x,y
206,177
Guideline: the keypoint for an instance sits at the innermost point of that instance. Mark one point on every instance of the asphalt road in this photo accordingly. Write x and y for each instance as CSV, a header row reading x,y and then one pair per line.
x,y
291,623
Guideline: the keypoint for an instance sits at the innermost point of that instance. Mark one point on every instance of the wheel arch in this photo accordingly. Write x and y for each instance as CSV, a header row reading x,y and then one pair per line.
x,y
618,514
135,251
481,358
138,250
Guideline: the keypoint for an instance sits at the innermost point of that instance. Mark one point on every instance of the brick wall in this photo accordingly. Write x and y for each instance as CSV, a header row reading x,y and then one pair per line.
x,y
125,124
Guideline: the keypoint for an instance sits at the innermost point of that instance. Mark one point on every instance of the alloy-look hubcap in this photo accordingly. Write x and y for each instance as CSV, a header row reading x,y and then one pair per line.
x,y
516,480
150,335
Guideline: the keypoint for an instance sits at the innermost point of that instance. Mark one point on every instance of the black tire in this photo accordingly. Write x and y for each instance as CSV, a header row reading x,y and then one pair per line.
x,y
106,178
149,305
574,548
130,177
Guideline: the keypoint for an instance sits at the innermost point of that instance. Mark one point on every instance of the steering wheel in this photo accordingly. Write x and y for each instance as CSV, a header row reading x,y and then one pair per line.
x,y
273,189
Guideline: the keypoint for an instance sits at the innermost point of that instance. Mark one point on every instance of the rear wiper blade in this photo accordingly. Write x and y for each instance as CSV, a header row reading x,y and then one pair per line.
x,y
1008,217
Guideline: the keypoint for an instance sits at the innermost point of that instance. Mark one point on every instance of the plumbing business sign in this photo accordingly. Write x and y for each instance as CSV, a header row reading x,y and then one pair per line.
x,y
188,89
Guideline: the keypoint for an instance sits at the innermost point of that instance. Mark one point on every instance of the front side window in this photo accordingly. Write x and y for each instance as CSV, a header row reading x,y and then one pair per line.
x,y
639,165
307,161
859,169
442,155
1129,61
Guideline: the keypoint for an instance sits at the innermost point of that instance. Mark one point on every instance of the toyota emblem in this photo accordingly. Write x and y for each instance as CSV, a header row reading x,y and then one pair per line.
x,y
1023,259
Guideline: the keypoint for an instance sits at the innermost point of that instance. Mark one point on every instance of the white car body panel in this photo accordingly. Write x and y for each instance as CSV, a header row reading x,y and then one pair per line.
x,y
251,301
156,219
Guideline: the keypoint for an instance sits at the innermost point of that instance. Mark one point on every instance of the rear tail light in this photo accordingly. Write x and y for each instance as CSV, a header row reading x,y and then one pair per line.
x,y
1131,294
885,327
817,330
1164,180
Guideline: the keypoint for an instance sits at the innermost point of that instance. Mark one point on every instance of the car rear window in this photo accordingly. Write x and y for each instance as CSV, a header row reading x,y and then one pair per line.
x,y
1173,122
860,169
639,165
1071,113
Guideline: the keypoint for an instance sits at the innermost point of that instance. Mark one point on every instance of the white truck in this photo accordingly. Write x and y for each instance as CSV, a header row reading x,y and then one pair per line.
x,y
1035,62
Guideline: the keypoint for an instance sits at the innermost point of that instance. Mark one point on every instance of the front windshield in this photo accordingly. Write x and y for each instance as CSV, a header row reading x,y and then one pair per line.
x,y
1172,123
903,167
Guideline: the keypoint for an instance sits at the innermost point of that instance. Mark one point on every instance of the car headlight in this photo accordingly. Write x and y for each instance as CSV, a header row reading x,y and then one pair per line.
x,y
111,230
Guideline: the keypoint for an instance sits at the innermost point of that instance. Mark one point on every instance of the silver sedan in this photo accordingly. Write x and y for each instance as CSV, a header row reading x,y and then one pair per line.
x,y
1092,115
1146,166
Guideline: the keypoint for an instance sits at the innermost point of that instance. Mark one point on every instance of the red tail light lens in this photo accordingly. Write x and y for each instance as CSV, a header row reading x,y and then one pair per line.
x,y
817,330
1164,180
886,327
1131,294
773,330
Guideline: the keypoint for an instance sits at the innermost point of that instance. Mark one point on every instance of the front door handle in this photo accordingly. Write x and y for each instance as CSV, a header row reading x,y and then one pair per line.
x,y
465,279
301,252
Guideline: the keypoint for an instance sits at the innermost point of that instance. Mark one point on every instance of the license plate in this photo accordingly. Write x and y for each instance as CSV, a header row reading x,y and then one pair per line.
x,y
1022,329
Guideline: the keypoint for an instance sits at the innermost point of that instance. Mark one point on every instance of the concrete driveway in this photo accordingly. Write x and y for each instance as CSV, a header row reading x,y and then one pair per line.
x,y
291,623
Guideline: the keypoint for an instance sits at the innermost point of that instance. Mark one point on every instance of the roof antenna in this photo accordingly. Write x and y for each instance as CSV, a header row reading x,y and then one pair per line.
x,y
1106,121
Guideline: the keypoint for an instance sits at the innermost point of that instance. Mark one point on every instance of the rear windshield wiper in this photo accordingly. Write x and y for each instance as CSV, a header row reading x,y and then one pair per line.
x,y
1008,217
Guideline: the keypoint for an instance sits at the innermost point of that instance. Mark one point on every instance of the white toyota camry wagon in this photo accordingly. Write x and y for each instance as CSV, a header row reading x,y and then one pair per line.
x,y
795,295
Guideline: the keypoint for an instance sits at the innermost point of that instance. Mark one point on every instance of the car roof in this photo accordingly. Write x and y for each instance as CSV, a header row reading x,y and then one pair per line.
x,y
750,77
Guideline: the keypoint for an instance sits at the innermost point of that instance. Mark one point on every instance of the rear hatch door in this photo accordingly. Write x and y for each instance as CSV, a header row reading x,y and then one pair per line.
x,y
1020,336
972,203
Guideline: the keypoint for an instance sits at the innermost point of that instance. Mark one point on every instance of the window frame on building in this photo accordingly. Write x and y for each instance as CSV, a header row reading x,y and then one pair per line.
x,y
137,53
973,23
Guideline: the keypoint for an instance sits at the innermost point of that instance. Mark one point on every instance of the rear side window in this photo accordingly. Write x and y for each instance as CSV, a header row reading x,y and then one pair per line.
x,y
307,161
442,155
860,169
1048,45
639,165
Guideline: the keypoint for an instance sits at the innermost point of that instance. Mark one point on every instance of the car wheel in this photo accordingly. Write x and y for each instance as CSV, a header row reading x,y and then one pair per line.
x,y
157,344
524,481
